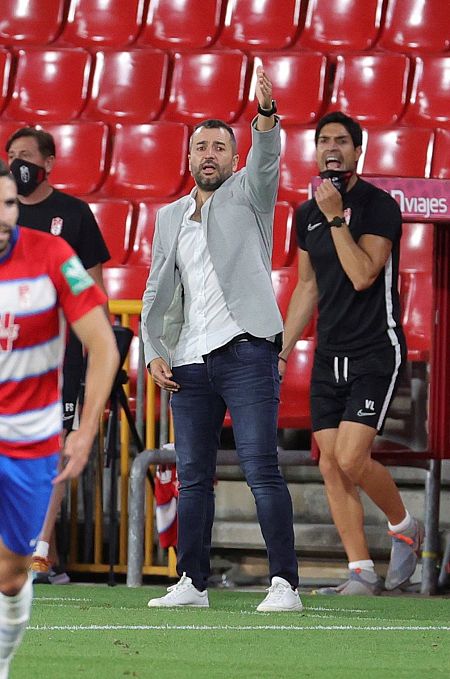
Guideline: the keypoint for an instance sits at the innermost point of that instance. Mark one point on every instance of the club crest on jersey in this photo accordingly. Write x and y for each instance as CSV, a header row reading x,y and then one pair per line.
x,y
76,275
56,226
347,215
9,331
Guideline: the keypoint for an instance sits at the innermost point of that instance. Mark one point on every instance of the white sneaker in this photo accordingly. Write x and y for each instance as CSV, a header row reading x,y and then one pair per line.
x,y
4,669
280,597
183,593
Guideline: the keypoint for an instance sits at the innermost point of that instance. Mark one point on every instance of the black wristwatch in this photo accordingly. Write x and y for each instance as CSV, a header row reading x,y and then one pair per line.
x,y
267,112
337,221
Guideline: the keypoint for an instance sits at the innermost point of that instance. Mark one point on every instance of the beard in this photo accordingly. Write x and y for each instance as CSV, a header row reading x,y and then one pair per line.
x,y
211,183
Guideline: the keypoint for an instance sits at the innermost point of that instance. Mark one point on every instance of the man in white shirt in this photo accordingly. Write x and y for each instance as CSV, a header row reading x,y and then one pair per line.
x,y
212,333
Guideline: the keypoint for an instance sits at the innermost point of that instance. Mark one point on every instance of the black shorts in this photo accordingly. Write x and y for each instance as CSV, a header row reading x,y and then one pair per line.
x,y
355,389
73,372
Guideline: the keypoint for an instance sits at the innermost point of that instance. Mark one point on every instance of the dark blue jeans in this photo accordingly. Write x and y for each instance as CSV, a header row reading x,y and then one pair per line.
x,y
244,378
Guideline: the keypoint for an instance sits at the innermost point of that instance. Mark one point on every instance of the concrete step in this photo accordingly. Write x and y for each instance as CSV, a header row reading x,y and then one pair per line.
x,y
236,524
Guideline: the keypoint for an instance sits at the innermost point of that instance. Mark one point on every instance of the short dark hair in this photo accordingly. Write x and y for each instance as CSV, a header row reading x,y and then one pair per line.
x,y
45,141
352,127
214,123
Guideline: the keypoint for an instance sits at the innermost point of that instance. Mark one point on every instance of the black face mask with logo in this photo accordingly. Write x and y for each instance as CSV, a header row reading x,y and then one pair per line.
x,y
28,176
339,178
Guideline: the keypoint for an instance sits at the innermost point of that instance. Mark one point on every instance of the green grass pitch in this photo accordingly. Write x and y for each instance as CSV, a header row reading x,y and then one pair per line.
x,y
100,632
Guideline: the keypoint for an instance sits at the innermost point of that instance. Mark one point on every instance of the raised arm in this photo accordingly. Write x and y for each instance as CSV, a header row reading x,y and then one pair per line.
x,y
264,96
263,161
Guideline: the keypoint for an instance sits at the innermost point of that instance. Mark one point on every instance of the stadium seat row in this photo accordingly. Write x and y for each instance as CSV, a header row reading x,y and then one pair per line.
x,y
408,26
128,230
416,265
142,85
149,161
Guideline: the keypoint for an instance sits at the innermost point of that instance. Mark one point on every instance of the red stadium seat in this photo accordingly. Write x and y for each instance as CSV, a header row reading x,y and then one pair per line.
x,y
191,24
416,26
81,153
148,160
242,132
398,152
372,88
440,164
206,85
5,70
268,25
50,85
337,25
292,73
141,253
284,281
298,163
114,218
430,95
102,23
294,411
7,128
127,86
39,24
125,282
416,288
284,240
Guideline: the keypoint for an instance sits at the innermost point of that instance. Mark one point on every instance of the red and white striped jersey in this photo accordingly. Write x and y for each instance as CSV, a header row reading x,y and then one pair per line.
x,y
41,282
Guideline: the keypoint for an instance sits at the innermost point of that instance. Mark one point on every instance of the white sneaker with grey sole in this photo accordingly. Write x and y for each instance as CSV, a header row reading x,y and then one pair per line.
x,y
183,593
280,597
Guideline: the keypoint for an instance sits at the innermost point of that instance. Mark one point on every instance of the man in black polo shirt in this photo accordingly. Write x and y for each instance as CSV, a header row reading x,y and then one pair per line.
x,y
31,156
349,239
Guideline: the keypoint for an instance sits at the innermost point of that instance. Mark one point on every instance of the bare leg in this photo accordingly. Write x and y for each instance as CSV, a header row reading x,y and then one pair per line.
x,y
343,498
353,448
48,529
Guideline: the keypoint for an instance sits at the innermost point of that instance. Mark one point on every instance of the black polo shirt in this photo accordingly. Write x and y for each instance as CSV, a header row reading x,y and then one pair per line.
x,y
350,321
70,218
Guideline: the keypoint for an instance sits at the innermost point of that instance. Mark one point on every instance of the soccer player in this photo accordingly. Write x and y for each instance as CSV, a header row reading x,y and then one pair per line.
x,y
39,278
31,157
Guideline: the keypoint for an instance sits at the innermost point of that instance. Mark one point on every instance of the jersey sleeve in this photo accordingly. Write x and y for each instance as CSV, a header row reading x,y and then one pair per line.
x,y
76,290
383,217
300,226
92,249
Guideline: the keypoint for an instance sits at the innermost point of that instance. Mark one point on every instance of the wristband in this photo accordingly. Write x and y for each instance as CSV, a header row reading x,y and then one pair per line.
x,y
267,112
337,222
282,359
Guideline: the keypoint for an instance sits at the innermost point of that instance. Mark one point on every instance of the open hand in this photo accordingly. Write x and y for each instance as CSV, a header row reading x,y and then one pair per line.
x,y
263,88
161,374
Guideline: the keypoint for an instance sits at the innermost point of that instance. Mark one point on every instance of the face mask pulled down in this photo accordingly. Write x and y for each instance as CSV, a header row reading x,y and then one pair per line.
x,y
28,176
339,178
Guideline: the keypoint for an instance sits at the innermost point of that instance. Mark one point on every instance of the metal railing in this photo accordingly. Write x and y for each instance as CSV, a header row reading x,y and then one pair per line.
x,y
87,551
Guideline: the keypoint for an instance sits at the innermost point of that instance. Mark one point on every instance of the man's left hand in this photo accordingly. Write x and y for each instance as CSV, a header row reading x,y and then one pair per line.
x,y
74,456
328,199
263,88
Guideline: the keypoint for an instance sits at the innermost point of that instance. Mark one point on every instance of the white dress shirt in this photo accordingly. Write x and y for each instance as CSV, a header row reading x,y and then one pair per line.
x,y
208,324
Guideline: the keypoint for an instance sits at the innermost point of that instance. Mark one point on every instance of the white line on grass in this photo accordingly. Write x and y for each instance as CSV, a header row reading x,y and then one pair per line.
x,y
241,628
59,598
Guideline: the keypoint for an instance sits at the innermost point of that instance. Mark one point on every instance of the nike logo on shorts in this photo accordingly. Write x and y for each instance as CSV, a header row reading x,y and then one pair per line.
x,y
361,413
311,227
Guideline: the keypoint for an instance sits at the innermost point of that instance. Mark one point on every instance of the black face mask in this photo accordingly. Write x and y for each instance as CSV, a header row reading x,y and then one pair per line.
x,y
28,176
339,178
